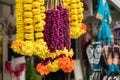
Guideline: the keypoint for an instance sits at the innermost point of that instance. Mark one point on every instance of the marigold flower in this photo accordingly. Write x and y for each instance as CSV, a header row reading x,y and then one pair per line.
x,y
35,5
27,1
28,14
54,66
70,67
28,48
28,21
43,69
37,18
27,7
36,11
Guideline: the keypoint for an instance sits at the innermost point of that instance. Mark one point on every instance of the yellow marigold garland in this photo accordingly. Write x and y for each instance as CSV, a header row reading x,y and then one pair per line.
x,y
39,16
17,44
29,19
41,49
65,52
75,8
28,45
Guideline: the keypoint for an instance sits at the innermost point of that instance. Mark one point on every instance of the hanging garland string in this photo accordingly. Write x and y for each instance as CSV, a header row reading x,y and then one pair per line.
x,y
17,44
30,25
75,8
55,35
28,45
39,23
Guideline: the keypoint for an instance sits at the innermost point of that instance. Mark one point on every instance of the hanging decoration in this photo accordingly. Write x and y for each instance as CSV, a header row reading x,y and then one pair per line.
x,y
30,25
39,23
57,37
28,45
44,34
17,44
75,8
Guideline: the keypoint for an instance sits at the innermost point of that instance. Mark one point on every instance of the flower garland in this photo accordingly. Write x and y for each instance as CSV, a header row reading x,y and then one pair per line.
x,y
55,32
24,26
17,72
43,69
66,64
75,8
30,25
28,45
17,44
39,23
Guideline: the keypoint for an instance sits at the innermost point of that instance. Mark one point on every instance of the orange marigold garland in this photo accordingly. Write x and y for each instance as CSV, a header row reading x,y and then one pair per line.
x,y
66,64
43,69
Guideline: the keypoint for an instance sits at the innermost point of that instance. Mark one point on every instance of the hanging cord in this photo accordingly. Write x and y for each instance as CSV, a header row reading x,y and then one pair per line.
x,y
47,4
51,6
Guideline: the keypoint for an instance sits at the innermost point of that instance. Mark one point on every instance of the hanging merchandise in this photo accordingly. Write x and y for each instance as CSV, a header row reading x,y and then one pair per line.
x,y
103,14
28,45
104,61
94,53
30,25
44,34
39,23
57,37
17,45
24,25
75,8
112,54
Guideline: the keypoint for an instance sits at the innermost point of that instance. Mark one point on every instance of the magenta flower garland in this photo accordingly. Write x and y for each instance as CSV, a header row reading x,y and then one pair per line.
x,y
66,29
57,37
54,31
61,29
47,27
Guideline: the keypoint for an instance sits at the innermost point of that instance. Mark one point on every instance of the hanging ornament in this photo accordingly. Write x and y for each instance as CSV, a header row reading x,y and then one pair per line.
x,y
57,37
17,44
28,45
39,23
30,23
76,16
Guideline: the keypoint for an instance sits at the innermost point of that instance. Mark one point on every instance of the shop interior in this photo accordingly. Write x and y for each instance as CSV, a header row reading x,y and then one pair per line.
x,y
83,70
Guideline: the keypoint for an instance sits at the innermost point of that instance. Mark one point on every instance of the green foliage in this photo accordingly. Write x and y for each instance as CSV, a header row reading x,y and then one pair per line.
x,y
31,73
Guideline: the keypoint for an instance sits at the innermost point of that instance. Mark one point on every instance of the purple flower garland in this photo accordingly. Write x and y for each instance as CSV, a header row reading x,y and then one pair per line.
x,y
57,30
65,26
66,29
47,27
61,30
